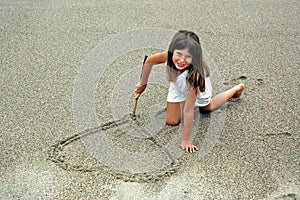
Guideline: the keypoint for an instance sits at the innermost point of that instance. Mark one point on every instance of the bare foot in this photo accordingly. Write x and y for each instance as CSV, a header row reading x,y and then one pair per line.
x,y
239,91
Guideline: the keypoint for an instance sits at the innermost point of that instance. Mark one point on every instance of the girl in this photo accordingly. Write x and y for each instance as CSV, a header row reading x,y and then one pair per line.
x,y
189,80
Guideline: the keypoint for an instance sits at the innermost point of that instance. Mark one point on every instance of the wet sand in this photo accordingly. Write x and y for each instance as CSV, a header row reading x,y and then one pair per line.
x,y
44,154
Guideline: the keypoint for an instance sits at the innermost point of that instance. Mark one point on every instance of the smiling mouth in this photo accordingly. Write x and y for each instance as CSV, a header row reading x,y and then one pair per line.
x,y
180,65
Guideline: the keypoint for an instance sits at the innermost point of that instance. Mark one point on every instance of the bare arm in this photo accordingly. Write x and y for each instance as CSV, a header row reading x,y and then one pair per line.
x,y
151,60
188,121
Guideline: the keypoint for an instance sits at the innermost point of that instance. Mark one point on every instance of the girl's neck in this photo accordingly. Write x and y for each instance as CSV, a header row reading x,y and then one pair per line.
x,y
180,71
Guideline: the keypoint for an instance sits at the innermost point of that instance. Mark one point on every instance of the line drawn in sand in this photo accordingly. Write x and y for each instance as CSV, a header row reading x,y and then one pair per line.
x,y
115,159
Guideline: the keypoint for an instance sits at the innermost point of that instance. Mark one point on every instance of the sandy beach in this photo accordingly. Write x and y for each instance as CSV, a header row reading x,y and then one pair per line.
x,y
68,71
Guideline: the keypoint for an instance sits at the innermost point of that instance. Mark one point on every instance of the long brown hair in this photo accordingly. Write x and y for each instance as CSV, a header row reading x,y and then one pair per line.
x,y
198,69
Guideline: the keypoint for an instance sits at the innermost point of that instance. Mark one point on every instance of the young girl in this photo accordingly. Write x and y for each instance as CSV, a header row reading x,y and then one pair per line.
x,y
189,80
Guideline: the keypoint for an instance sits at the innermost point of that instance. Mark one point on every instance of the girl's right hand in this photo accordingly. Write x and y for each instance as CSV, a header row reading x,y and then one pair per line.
x,y
139,89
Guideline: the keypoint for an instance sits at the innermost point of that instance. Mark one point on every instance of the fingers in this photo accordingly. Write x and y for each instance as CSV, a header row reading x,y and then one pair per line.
x,y
190,149
139,88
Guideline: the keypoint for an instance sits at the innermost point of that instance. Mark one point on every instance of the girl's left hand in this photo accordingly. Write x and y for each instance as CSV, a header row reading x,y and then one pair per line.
x,y
188,147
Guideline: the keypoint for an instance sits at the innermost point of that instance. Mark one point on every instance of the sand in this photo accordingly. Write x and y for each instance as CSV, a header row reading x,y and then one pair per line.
x,y
69,66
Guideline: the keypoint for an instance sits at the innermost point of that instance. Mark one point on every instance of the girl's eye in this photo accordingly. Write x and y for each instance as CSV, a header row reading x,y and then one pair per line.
x,y
188,57
180,55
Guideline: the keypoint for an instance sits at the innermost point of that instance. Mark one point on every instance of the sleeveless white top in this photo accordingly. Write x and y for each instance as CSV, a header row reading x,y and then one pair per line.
x,y
178,90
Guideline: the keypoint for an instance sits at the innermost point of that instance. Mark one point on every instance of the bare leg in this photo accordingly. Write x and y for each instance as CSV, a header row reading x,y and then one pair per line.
x,y
218,100
174,113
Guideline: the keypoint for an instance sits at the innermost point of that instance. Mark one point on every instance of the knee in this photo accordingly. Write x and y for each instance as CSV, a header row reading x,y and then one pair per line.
x,y
172,122
206,109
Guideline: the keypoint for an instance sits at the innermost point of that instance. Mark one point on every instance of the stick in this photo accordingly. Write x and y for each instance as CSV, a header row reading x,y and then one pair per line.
x,y
138,95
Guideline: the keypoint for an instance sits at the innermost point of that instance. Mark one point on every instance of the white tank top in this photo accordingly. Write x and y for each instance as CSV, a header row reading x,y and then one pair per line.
x,y
178,90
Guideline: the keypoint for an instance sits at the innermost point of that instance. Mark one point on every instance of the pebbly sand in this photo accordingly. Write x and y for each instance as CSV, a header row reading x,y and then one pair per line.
x,y
46,155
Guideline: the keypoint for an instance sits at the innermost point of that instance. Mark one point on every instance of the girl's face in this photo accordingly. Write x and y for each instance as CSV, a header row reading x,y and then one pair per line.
x,y
182,59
